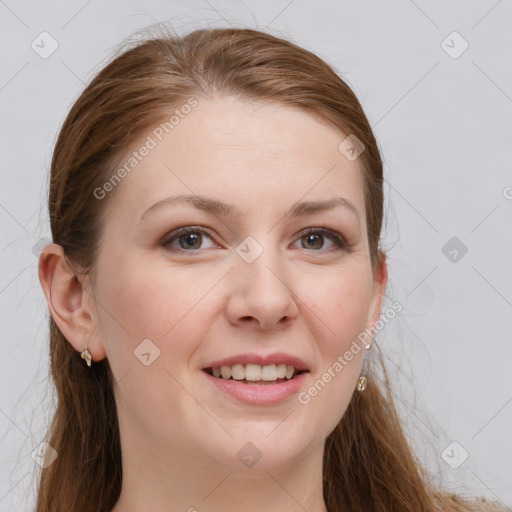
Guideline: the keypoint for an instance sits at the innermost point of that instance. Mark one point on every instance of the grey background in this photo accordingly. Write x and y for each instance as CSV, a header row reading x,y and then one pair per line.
x,y
444,127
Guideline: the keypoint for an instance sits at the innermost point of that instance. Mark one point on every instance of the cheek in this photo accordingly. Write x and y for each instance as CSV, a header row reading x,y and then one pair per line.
x,y
166,308
340,301
340,304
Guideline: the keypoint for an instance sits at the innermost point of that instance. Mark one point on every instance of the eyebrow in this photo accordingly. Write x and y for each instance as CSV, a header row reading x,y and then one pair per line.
x,y
209,205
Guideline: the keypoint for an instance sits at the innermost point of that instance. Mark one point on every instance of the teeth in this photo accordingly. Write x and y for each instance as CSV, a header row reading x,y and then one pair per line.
x,y
238,372
252,372
268,372
226,372
255,372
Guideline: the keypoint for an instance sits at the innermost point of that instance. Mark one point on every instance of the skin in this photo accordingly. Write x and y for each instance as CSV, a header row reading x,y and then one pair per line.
x,y
179,434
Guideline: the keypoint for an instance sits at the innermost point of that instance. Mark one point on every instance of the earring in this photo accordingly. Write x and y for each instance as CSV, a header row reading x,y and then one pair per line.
x,y
362,382
86,355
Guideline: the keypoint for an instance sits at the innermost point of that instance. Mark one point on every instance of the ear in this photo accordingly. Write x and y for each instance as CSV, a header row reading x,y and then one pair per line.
x,y
380,280
71,305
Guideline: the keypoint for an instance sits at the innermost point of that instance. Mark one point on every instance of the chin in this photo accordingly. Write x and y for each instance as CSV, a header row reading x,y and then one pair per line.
x,y
258,450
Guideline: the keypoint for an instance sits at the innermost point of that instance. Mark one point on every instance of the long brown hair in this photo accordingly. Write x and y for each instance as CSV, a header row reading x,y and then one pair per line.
x,y
368,464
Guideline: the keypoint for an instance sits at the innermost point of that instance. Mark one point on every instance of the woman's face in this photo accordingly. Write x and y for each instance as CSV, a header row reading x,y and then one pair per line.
x,y
244,285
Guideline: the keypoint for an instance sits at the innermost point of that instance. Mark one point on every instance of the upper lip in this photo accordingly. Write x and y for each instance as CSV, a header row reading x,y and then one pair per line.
x,y
263,360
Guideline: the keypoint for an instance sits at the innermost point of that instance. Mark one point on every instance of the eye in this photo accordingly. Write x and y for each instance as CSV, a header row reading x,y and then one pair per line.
x,y
187,238
314,237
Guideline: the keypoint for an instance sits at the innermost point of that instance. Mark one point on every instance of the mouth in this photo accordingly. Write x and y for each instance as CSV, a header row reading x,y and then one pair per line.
x,y
266,384
255,374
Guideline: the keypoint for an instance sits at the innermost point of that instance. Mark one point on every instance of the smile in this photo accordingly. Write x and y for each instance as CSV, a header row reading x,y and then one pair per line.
x,y
257,392
254,373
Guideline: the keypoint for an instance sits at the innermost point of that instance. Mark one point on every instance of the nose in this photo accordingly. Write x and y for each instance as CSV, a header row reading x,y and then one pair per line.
x,y
261,293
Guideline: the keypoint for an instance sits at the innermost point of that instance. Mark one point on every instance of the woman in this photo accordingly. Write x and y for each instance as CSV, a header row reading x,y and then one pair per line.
x,y
215,284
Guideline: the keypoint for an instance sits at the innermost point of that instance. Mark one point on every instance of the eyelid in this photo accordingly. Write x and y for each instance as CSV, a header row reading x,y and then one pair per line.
x,y
337,238
167,239
340,241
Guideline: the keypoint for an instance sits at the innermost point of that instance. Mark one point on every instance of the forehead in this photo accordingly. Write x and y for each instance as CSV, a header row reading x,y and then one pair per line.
x,y
252,154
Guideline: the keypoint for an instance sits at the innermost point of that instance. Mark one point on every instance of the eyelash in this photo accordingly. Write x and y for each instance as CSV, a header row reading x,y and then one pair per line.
x,y
340,243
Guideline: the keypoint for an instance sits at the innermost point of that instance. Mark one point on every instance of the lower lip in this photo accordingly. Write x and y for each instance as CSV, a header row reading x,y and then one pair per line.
x,y
259,394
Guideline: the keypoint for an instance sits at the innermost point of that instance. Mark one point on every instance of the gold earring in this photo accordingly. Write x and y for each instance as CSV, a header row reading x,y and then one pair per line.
x,y
86,355
361,383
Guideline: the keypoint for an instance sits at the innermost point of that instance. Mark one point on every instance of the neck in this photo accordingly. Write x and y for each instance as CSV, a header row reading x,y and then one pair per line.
x,y
183,479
